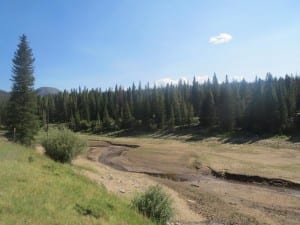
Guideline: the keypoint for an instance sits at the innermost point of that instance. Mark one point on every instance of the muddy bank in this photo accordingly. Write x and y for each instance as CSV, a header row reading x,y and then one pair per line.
x,y
276,182
112,152
97,143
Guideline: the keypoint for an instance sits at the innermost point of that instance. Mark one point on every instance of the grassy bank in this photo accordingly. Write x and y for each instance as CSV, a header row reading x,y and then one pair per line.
x,y
36,190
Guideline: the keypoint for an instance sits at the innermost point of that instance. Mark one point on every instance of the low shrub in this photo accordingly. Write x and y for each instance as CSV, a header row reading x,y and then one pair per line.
x,y
91,208
62,145
154,204
84,125
97,126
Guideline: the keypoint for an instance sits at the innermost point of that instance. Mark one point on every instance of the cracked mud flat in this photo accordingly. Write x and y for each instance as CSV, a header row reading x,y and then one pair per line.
x,y
204,196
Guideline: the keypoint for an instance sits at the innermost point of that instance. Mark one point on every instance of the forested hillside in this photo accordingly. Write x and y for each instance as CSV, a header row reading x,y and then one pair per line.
x,y
3,99
3,95
43,91
264,106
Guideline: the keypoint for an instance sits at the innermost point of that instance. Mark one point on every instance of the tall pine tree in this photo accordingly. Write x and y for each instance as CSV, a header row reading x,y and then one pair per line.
x,y
22,109
208,112
226,112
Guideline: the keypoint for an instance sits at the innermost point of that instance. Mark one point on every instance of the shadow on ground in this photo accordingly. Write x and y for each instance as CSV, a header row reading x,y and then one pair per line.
x,y
194,133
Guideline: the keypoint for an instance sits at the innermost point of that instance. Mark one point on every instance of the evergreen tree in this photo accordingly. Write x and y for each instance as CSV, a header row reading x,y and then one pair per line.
x,y
208,112
97,126
283,114
195,96
72,124
3,113
171,123
22,103
127,119
216,91
190,114
108,122
77,120
226,112
272,113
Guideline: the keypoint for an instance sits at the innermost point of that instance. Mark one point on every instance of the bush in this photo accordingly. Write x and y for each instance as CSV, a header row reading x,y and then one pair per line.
x,y
97,126
62,145
85,125
155,204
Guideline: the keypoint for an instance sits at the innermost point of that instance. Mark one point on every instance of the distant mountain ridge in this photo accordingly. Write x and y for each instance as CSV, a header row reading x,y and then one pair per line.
x,y
43,91
3,92
4,95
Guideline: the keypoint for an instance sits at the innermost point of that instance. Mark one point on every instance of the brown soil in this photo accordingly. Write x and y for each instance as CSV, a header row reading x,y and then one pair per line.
x,y
276,182
219,201
128,184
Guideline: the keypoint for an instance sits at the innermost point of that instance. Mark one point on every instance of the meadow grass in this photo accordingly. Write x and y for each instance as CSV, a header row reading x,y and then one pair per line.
x,y
37,190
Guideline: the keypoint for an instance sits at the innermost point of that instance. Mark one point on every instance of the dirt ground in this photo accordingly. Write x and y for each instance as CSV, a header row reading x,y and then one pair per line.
x,y
128,184
201,199
263,158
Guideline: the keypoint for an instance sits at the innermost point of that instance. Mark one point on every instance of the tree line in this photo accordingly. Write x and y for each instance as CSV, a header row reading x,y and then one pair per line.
x,y
271,105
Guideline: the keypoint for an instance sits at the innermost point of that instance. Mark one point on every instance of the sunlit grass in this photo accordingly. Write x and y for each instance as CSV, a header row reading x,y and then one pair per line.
x,y
37,190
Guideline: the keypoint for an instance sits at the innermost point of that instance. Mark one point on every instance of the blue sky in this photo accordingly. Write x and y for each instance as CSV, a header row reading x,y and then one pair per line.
x,y
101,43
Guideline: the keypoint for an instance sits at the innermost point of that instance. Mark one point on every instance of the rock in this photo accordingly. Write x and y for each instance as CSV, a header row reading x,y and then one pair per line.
x,y
191,201
195,185
122,191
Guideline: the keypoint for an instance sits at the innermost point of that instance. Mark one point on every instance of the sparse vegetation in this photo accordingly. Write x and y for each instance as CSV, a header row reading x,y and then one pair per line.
x,y
62,144
155,204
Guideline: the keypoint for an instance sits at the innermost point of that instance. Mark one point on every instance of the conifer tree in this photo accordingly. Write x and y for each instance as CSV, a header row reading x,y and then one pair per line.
x,y
215,89
195,94
77,120
226,112
127,119
108,122
23,121
72,124
97,128
283,114
190,114
272,113
208,112
171,123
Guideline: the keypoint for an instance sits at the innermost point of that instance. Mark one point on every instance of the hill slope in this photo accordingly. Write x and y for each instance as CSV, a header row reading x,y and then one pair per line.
x,y
3,95
36,190
42,91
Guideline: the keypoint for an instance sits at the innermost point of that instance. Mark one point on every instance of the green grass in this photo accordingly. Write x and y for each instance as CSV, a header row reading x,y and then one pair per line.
x,y
37,190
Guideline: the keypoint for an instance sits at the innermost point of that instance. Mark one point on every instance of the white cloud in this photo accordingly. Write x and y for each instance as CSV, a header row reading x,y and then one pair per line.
x,y
168,80
201,79
238,78
220,39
